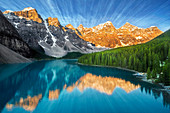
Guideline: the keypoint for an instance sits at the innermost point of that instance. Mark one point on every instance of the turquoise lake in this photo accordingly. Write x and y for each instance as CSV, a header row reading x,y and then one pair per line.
x,y
63,86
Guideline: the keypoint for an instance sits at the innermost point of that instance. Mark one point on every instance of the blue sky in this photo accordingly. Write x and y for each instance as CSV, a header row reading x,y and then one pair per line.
x,y
141,13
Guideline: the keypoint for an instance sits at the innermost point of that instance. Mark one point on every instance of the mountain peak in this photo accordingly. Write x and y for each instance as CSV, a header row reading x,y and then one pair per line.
x,y
69,26
80,28
28,13
7,11
128,26
81,25
127,23
105,26
106,23
28,9
109,22
154,27
53,21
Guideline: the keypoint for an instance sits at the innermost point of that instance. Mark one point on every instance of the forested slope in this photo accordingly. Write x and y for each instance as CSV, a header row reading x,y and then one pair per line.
x,y
151,57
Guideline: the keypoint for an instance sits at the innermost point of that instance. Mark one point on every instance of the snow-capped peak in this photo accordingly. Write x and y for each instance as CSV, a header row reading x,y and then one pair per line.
x,y
9,11
127,23
27,9
108,22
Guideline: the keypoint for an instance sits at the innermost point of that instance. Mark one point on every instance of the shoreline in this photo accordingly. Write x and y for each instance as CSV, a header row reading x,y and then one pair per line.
x,y
165,88
109,67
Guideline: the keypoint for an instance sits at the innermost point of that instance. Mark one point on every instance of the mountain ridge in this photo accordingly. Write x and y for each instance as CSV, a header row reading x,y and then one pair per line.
x,y
55,39
104,35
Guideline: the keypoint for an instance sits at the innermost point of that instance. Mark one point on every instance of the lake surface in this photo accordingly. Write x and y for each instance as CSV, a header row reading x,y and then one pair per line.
x,y
62,86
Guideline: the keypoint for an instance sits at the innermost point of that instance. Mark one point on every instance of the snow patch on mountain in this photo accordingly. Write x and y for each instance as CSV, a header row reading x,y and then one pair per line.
x,y
10,11
28,9
123,43
53,38
66,38
99,46
53,50
28,25
16,24
139,37
100,26
55,41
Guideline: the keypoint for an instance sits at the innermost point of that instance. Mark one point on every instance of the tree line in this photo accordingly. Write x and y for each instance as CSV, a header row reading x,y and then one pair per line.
x,y
152,57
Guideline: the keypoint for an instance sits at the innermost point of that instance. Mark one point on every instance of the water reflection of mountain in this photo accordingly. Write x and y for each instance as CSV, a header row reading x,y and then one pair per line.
x,y
10,85
127,75
49,78
29,103
38,78
102,84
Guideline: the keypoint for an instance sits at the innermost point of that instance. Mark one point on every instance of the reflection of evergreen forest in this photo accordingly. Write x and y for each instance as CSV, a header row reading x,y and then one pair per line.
x,y
151,57
157,93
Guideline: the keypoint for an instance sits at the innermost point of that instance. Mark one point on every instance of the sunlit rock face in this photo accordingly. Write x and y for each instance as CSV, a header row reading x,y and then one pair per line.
x,y
74,30
57,40
7,11
131,35
70,26
29,103
103,35
28,13
53,22
102,84
106,35
48,35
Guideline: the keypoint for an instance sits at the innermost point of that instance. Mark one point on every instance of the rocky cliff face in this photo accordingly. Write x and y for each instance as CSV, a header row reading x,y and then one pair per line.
x,y
30,31
131,35
106,35
10,38
53,22
27,13
103,35
55,39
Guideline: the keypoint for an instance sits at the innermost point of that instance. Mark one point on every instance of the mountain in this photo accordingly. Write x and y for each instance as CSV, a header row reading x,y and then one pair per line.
x,y
48,34
106,35
151,56
53,22
10,38
27,13
55,40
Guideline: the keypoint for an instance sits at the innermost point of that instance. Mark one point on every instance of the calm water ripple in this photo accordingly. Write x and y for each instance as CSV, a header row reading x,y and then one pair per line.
x,y
63,86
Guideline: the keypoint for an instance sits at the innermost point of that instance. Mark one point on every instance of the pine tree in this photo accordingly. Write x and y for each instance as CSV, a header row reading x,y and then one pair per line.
x,y
165,50
130,62
169,55
153,74
156,64
144,63
148,73
166,74
149,58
